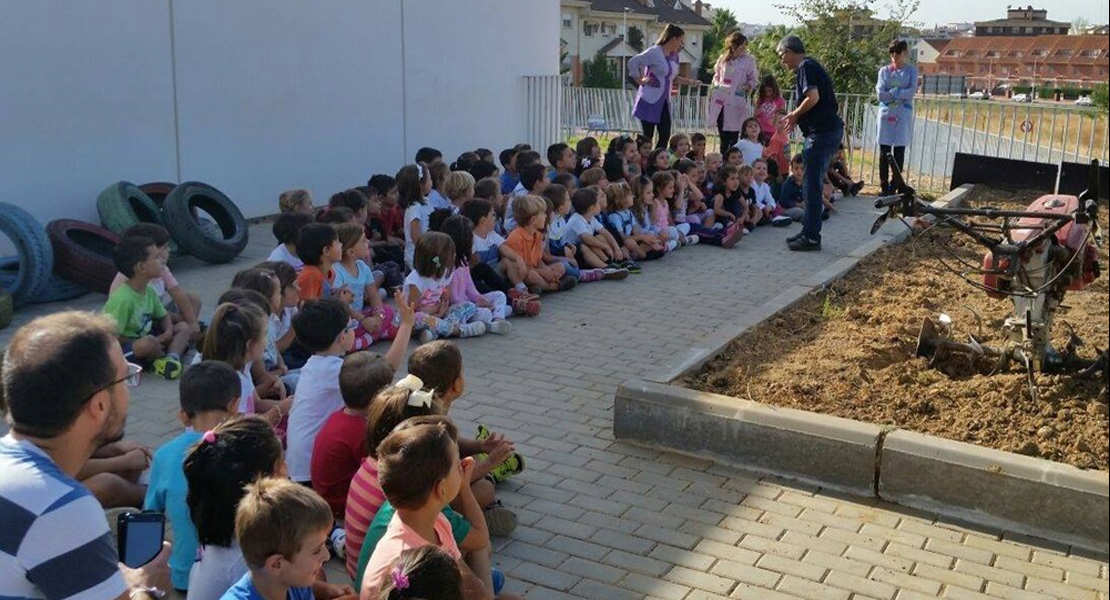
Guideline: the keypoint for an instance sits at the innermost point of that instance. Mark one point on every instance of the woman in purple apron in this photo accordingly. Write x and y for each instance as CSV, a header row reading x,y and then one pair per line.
x,y
734,78
656,69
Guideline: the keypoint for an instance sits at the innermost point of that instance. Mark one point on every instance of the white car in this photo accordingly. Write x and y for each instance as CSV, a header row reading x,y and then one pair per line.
x,y
979,96
1022,98
1083,101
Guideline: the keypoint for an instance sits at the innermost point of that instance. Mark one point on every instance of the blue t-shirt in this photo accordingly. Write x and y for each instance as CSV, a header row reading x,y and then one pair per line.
x,y
508,182
791,194
245,590
357,283
54,540
622,221
823,117
166,494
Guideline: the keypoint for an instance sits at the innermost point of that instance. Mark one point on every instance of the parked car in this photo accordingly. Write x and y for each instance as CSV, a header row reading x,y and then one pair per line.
x,y
1083,101
1022,98
979,96
960,95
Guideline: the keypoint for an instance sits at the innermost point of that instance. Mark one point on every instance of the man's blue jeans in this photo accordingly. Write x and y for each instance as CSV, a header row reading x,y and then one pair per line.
x,y
817,154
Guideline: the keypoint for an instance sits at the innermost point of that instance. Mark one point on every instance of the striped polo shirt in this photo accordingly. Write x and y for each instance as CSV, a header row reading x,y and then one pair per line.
x,y
54,540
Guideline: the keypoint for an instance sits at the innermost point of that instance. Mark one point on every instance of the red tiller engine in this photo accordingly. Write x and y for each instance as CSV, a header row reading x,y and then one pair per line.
x,y
1068,241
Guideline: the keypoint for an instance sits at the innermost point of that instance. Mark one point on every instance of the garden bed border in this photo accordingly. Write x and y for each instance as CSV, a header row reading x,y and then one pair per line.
x,y
990,487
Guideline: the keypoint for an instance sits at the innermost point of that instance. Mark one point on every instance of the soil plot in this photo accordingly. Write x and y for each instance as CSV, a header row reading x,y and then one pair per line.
x,y
849,351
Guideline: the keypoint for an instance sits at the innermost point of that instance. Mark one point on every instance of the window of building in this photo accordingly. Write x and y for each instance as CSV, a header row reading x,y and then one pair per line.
x,y
588,28
568,21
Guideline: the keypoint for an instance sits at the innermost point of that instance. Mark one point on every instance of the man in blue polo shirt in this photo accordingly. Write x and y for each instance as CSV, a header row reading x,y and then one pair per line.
x,y
64,389
816,115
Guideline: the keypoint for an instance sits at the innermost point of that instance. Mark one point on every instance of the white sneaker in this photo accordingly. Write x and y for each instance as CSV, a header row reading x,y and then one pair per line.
x,y
500,327
472,329
427,336
338,540
717,227
692,240
747,231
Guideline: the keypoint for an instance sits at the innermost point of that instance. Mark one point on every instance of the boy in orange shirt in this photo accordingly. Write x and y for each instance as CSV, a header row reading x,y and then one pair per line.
x,y
318,246
526,241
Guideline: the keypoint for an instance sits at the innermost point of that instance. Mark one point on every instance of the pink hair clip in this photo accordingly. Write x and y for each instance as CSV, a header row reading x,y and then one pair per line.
x,y
400,580
209,437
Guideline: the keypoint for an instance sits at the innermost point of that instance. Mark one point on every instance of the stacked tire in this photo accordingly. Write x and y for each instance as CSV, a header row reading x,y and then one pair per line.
x,y
29,275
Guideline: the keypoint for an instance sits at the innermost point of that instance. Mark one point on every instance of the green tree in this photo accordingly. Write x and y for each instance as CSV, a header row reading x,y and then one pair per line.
x,y
636,38
1099,97
842,35
600,73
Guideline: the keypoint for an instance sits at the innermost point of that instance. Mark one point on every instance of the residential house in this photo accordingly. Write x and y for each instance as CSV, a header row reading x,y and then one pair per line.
x,y
592,26
929,50
1019,21
1059,60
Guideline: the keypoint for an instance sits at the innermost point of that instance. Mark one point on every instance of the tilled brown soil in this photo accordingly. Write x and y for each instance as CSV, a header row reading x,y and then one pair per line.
x,y
849,351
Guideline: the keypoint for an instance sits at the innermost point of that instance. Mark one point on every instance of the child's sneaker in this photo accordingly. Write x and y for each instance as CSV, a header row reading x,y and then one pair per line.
x,y
482,433
512,465
472,329
519,294
427,336
590,275
498,579
692,240
337,543
500,327
616,274
500,521
732,235
633,268
567,283
168,367
526,308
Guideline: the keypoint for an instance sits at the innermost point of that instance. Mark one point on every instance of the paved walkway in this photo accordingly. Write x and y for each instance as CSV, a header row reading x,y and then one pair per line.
x,y
605,520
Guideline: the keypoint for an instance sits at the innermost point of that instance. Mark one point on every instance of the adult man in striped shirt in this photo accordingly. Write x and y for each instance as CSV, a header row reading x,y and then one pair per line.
x,y
64,389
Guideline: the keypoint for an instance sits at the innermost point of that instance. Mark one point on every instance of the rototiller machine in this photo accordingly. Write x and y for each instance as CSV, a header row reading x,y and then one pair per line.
x,y
1034,257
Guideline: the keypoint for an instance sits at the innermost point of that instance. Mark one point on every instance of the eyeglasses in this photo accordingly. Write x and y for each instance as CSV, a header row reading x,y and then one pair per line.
x,y
132,379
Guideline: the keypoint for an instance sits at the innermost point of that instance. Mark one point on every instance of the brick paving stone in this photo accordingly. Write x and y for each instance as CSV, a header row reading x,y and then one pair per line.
x,y
604,519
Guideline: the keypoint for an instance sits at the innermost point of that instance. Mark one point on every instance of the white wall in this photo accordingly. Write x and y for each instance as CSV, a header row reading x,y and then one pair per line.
x,y
270,94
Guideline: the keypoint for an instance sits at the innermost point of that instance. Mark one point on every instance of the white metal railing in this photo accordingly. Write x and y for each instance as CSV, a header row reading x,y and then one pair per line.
x,y
943,126
543,98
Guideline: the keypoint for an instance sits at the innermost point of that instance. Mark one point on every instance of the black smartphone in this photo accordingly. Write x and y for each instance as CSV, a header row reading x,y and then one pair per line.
x,y
140,537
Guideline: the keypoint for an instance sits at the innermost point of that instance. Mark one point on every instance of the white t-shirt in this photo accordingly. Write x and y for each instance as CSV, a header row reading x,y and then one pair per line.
x,y
437,201
557,229
763,195
578,226
218,569
431,290
282,254
751,150
510,221
246,390
416,212
487,247
317,398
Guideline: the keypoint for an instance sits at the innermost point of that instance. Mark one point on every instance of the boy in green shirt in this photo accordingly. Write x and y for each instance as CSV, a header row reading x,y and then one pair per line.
x,y
146,330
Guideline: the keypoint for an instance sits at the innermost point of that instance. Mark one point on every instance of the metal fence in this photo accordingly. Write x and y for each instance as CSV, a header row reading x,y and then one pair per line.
x,y
542,96
943,126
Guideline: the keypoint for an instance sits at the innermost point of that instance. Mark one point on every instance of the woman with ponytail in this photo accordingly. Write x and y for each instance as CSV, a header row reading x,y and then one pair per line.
x,y
735,77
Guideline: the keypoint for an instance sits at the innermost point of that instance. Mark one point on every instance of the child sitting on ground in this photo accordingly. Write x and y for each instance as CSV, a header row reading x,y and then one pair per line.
x,y
437,171
319,248
533,180
237,337
414,183
146,330
287,228
209,394
750,145
747,191
763,198
421,472
341,443
841,177
492,307
592,250
458,187
296,201
426,287
270,372
509,177
525,244
730,207
678,147
352,274
281,528
619,200
689,196
734,156
425,573
791,200
386,226
664,203
489,189
182,305
488,269
562,159
697,147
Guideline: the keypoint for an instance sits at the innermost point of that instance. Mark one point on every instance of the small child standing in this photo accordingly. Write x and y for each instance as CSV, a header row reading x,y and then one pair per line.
x,y
414,183
209,394
492,306
287,228
749,143
426,288
281,528
769,104
146,330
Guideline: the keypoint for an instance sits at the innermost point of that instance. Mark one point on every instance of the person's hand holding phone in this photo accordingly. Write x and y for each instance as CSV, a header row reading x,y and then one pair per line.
x,y
155,574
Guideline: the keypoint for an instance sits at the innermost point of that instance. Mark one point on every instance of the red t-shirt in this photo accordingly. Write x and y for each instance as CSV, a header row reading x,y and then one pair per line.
x,y
313,282
393,221
336,454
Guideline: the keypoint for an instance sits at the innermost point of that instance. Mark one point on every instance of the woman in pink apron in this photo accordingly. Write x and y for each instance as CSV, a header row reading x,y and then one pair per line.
x,y
734,78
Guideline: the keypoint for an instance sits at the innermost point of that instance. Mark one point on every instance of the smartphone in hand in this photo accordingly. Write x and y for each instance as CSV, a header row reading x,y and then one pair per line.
x,y
140,537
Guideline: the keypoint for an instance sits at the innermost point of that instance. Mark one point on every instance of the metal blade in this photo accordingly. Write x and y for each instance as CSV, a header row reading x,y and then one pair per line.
x,y
879,222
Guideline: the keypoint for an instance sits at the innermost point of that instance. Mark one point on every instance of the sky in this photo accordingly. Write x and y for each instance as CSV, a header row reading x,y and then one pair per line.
x,y
931,12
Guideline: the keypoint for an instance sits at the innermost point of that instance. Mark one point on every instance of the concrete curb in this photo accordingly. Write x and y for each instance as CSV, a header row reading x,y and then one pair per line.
x,y
821,449
1019,493
1010,491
